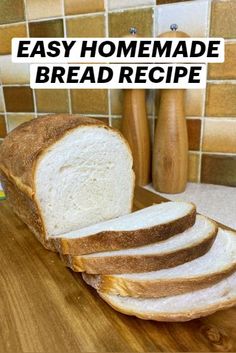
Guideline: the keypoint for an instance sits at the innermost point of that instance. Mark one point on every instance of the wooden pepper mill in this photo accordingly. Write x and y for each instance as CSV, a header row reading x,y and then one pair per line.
x,y
170,151
135,129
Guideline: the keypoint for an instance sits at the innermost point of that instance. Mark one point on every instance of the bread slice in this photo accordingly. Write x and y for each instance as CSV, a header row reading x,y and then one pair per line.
x,y
149,225
183,247
197,274
64,172
183,307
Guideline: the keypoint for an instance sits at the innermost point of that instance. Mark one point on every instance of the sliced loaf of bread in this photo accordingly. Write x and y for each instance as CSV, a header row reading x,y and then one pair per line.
x,y
181,307
65,172
183,247
149,225
200,273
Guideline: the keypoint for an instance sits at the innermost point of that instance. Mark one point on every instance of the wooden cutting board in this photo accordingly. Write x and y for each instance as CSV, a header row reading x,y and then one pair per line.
x,y
44,307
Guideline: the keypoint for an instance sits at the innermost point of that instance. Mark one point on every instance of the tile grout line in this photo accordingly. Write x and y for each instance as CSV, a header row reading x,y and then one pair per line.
x,y
93,14
106,24
15,85
223,81
4,109
150,116
47,113
28,35
194,152
4,106
12,24
230,40
227,154
91,115
153,91
132,8
22,113
65,35
45,19
226,81
204,99
200,148
98,13
220,118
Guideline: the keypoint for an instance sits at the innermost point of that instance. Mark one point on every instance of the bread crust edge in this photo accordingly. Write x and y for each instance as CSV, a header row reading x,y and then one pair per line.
x,y
116,240
109,284
16,190
174,317
140,263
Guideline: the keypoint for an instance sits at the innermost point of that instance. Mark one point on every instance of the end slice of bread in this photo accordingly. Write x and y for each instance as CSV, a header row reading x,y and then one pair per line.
x,y
149,225
182,307
197,274
181,248
67,172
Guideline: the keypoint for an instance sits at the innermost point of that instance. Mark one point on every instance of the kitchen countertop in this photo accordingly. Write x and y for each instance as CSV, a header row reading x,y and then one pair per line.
x,y
45,307
215,201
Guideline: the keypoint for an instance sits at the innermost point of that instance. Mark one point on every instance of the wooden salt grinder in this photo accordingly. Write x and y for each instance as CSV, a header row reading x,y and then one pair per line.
x,y
170,151
135,129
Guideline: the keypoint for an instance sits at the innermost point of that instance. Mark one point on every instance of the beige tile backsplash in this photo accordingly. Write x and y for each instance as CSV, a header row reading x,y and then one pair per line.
x,y
194,102
12,73
227,69
193,166
211,112
75,7
220,99
216,133
1,101
86,26
7,32
3,129
37,9
52,100
120,22
223,17
122,4
49,29
14,120
89,101
11,11
18,99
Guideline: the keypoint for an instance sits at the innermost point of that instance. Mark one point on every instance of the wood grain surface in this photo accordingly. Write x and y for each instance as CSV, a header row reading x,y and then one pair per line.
x,y
44,307
135,128
170,150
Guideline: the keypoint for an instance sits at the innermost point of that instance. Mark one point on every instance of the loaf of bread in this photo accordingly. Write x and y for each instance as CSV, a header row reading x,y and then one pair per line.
x,y
183,307
61,173
70,179
218,263
178,249
146,226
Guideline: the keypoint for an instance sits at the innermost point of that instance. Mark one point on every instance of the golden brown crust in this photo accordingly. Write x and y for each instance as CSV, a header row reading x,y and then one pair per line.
x,y
26,209
66,260
175,317
140,263
154,288
19,154
21,148
115,240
